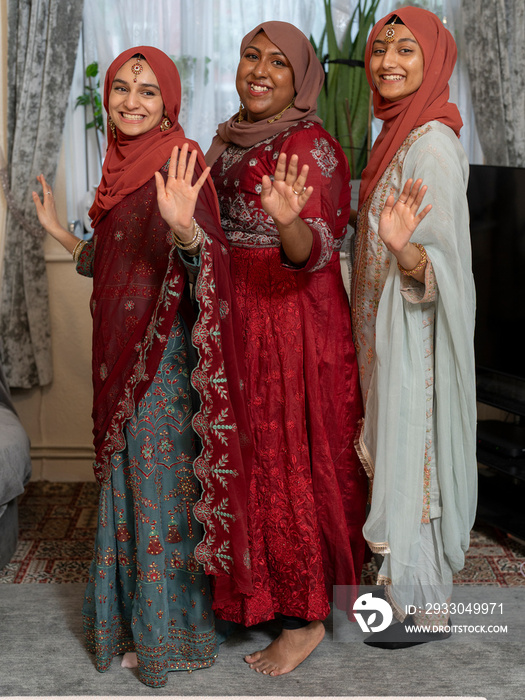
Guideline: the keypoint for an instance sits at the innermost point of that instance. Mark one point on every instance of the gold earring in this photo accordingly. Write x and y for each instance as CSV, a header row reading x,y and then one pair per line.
x,y
113,128
278,116
165,124
240,116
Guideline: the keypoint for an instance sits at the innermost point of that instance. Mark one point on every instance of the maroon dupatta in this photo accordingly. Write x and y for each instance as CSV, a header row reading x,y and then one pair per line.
x,y
140,284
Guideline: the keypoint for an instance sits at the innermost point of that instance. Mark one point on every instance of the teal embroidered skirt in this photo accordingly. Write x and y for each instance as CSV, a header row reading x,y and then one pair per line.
x,y
146,592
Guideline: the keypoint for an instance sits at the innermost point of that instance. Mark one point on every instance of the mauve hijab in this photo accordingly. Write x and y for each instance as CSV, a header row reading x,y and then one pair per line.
x,y
429,102
308,81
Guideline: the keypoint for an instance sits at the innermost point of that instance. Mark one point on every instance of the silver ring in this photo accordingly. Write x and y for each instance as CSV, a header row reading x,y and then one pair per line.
x,y
49,193
173,176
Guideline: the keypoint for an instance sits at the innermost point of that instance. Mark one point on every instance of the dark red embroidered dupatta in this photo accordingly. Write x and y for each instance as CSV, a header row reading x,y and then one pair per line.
x,y
140,284
134,307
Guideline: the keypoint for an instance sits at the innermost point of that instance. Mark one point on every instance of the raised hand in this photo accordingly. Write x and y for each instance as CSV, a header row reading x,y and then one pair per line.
x,y
47,215
45,209
284,197
400,218
178,196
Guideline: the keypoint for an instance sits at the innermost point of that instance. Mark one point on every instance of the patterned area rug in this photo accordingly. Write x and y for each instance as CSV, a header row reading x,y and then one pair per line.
x,y
58,523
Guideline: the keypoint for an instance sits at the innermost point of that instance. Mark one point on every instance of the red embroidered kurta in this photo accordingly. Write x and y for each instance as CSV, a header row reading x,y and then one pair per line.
x,y
308,492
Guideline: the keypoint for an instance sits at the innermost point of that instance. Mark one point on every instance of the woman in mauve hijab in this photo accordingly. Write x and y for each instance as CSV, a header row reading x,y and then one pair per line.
x,y
170,431
413,304
284,192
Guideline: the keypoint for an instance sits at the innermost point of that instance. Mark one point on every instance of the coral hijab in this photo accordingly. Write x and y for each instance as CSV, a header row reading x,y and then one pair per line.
x,y
429,102
132,160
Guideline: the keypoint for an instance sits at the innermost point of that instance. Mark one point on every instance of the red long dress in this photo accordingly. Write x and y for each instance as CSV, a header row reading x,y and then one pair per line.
x,y
308,492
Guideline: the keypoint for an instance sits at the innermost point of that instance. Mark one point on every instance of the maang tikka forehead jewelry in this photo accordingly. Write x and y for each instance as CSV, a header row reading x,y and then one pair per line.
x,y
137,69
390,32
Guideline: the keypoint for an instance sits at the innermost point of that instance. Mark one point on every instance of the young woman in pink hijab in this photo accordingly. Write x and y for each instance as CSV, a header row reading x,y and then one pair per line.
x,y
284,191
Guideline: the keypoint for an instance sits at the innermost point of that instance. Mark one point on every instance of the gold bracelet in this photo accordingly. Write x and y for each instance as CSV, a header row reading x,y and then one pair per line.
x,y
421,264
195,241
77,250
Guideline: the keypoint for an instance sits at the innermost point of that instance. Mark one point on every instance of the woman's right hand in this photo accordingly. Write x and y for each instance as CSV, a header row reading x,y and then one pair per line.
x,y
400,218
47,215
284,197
177,196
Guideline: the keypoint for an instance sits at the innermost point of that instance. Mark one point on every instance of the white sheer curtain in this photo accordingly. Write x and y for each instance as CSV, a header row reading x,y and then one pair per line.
x,y
203,37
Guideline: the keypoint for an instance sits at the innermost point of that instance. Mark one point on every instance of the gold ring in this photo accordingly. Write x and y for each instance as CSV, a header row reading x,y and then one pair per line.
x,y
298,193
173,176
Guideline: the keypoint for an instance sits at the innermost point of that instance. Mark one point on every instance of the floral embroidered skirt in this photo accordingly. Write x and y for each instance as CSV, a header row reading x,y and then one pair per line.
x,y
146,592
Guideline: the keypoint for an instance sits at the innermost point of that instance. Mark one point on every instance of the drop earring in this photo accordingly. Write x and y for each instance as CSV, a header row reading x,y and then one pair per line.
x,y
240,116
113,128
165,124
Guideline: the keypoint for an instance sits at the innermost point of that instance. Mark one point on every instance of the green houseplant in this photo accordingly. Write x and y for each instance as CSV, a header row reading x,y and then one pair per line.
x,y
344,104
91,98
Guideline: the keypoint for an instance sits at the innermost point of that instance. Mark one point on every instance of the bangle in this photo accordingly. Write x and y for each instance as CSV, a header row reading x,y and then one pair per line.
x,y
197,239
78,249
421,264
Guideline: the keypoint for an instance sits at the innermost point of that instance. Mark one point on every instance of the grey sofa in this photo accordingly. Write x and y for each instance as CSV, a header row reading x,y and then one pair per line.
x,y
15,471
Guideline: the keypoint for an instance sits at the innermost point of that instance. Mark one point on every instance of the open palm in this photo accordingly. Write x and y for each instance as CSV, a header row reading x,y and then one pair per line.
x,y
177,196
284,197
400,218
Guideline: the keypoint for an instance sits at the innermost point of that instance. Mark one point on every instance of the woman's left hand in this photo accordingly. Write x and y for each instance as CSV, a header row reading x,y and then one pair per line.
x,y
399,219
284,197
177,196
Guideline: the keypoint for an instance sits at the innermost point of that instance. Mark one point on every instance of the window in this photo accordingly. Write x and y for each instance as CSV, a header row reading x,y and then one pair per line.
x,y
203,37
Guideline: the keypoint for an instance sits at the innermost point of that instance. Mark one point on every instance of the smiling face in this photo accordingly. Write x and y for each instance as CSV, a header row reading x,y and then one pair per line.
x,y
264,79
135,107
396,66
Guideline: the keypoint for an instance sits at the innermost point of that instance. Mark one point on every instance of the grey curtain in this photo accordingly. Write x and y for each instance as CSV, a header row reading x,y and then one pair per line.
x,y
495,39
42,45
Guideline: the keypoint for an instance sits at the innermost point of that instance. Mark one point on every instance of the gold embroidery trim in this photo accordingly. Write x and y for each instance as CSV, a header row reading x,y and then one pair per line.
x,y
364,457
379,547
363,453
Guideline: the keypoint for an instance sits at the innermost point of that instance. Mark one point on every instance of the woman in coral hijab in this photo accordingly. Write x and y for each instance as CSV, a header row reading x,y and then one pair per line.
x,y
413,304
160,429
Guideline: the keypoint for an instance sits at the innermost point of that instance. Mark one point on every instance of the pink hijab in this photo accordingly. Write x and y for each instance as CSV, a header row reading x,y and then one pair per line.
x,y
429,102
308,81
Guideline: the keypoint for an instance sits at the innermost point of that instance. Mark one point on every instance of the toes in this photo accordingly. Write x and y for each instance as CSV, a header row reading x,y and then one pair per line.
x,y
265,667
129,660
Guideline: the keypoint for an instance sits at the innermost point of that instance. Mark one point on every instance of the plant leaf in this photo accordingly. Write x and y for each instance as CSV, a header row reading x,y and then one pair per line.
x,y
92,70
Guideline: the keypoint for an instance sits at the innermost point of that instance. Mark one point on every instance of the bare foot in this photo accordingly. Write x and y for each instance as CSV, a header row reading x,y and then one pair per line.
x,y
287,651
129,660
